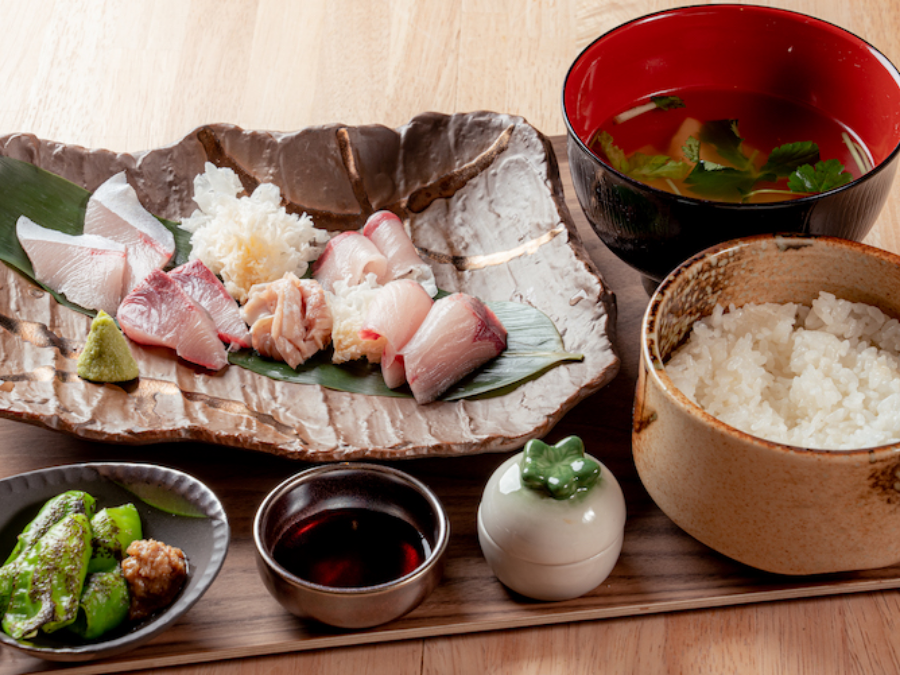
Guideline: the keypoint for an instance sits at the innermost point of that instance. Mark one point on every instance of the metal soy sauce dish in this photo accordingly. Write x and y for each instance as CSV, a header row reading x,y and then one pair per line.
x,y
351,545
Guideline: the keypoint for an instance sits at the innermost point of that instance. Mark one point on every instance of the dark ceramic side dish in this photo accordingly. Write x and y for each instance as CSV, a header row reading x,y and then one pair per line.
x,y
761,49
174,507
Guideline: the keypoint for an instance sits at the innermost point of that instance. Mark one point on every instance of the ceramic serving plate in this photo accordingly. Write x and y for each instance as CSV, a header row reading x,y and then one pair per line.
x,y
482,198
175,508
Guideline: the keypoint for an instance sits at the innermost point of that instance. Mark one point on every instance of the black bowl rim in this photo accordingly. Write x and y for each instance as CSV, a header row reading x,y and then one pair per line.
x,y
763,207
193,489
437,551
652,358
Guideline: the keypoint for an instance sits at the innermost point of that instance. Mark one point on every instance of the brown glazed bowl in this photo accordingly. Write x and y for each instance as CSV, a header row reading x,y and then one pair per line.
x,y
779,508
331,487
766,50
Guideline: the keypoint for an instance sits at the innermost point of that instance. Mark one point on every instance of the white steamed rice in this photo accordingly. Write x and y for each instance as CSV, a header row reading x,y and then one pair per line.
x,y
825,377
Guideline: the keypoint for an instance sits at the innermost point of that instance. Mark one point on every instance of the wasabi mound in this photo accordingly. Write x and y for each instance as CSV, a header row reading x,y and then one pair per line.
x,y
106,356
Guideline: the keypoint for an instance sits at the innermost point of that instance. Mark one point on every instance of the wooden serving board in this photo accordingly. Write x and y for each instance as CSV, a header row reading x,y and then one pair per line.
x,y
661,569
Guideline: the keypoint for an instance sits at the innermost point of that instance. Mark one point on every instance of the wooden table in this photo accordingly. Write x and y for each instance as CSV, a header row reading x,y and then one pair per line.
x,y
129,76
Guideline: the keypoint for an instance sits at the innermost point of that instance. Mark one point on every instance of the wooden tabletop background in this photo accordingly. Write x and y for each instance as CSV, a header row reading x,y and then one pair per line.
x,y
129,76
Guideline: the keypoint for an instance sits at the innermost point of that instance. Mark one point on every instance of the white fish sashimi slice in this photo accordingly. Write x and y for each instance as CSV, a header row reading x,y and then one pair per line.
x,y
386,231
459,334
115,212
349,256
159,312
87,269
198,281
395,313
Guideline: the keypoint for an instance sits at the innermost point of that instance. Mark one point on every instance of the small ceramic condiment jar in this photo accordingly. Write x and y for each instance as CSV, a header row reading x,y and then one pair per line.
x,y
551,521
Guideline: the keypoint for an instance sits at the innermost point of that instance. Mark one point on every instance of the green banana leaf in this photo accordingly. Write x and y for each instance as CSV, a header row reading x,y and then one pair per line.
x,y
533,346
533,343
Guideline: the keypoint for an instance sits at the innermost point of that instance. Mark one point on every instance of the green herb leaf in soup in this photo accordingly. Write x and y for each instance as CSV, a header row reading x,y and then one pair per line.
x,y
690,148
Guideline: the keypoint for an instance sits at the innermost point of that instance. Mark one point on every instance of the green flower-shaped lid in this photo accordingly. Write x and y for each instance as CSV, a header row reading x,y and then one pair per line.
x,y
560,470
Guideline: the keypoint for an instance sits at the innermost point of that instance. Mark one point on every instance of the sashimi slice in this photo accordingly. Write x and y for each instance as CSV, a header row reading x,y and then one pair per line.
x,y
386,231
395,313
198,281
159,312
87,269
289,319
459,334
113,211
349,256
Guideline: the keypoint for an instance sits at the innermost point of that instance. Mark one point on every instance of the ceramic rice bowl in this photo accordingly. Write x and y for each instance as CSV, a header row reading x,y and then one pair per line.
x,y
779,508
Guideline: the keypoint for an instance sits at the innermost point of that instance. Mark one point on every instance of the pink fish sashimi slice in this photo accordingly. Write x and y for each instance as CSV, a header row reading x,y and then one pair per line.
x,y
459,334
87,269
349,256
396,313
159,312
198,281
113,211
386,231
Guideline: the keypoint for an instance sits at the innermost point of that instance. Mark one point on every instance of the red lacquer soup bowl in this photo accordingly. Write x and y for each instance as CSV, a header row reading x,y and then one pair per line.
x,y
802,63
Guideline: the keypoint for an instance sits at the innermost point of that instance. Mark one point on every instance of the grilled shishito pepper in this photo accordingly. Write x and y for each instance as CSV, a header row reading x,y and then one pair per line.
x,y
6,580
73,501
104,603
48,579
106,598
114,529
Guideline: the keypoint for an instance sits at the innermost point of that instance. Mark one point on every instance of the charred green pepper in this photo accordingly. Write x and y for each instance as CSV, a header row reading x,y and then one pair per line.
x,y
6,580
54,510
113,530
104,603
48,579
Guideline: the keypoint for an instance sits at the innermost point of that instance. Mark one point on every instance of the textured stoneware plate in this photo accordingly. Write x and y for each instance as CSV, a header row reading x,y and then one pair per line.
x,y
174,507
483,201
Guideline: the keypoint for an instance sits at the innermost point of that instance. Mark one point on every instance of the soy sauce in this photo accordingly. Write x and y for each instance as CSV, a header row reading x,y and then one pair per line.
x,y
351,548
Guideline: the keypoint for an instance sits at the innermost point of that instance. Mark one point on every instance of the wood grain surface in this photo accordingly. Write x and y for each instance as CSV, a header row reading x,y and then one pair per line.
x,y
129,76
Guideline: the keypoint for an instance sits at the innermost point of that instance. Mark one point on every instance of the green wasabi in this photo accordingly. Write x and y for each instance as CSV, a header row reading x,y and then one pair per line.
x,y
106,356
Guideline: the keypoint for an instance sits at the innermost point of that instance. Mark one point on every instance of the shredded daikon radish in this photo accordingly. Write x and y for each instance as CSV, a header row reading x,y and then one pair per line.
x,y
248,240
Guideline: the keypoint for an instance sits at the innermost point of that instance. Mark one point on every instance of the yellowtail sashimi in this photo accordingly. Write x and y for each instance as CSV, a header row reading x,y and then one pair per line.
x,y
395,313
459,334
386,231
349,256
202,285
159,312
87,269
115,212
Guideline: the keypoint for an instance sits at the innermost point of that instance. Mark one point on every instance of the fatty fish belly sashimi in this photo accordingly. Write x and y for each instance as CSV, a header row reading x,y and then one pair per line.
x,y
395,314
349,256
386,231
459,334
87,269
198,281
115,212
289,319
159,312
